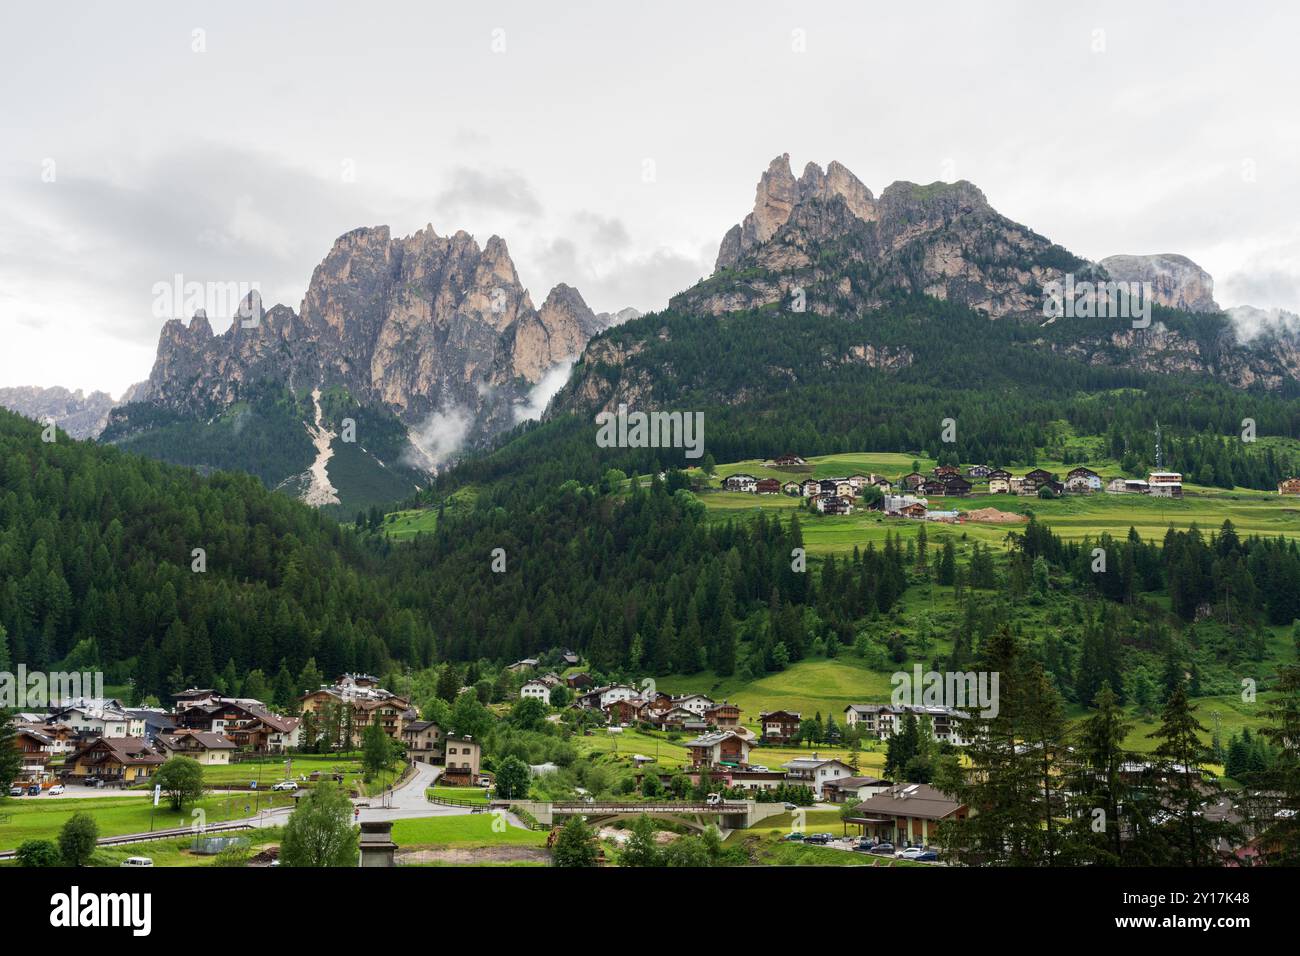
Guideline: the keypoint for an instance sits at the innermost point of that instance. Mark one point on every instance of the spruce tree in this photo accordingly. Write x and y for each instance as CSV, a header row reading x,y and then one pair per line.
x,y
1182,788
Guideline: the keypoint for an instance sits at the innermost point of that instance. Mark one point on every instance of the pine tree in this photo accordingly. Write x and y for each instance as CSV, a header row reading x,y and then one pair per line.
x,y
1044,733
1182,787
1279,830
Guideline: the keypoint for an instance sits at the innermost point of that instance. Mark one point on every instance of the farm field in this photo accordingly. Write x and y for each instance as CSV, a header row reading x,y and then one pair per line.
x,y
37,819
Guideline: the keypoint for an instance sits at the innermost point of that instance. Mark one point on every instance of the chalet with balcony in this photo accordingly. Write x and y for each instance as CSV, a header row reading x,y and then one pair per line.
x,y
778,726
207,748
723,748
121,760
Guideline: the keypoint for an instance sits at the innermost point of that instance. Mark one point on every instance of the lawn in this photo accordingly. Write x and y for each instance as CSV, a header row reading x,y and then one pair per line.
x,y
461,794
37,818
272,769
464,830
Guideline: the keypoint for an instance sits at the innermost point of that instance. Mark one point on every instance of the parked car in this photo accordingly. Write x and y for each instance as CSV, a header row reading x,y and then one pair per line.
x,y
883,848
137,861
927,856
57,789
820,838
713,799
861,847
15,791
34,790
285,785
791,807
796,835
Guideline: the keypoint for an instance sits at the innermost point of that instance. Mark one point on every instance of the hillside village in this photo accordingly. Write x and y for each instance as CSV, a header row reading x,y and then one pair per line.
x,y
90,744
908,496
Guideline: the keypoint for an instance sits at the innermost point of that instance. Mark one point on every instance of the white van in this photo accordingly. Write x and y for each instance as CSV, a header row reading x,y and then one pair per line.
x,y
137,861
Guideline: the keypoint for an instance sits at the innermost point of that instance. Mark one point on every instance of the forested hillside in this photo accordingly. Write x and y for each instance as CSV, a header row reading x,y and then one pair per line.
x,y
771,382
97,556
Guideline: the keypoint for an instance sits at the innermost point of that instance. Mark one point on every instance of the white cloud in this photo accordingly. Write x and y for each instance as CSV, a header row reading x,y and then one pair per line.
x,y
543,392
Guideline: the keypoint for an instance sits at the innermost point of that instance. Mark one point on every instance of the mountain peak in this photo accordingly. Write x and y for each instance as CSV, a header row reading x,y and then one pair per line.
x,y
777,195
847,251
1176,281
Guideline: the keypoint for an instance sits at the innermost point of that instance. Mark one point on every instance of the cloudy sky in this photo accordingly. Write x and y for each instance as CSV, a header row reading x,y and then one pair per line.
x,y
611,144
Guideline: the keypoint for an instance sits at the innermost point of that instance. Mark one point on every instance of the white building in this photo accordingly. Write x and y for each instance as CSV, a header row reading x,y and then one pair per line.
x,y
697,704
101,717
617,692
536,690
815,772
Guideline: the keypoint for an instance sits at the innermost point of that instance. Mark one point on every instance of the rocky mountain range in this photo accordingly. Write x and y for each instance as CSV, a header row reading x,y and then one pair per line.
x,y
826,240
415,326
80,415
823,244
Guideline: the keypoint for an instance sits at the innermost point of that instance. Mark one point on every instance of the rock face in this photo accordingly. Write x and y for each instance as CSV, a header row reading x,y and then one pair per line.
x,y
81,416
827,236
1176,281
777,195
417,325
